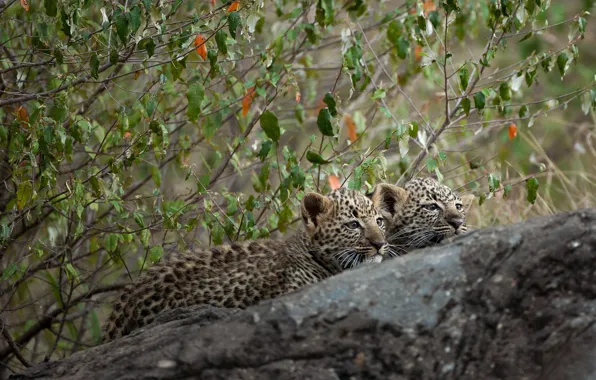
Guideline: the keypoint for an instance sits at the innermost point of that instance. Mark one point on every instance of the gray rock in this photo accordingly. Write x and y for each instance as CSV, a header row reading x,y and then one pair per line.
x,y
511,302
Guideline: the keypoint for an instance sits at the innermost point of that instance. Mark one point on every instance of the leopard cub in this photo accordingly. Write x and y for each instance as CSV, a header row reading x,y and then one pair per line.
x,y
421,214
340,230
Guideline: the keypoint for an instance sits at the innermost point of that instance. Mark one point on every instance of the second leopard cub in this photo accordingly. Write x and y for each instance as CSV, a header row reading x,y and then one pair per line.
x,y
339,231
422,213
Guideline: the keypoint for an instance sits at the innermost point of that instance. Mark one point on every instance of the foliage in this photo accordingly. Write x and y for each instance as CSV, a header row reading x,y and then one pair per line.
x,y
132,129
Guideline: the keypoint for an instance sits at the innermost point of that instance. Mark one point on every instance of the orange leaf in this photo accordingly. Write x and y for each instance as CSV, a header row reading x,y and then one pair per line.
x,y
200,46
512,131
428,6
213,2
234,6
417,52
247,100
25,5
298,96
334,182
127,135
23,116
351,127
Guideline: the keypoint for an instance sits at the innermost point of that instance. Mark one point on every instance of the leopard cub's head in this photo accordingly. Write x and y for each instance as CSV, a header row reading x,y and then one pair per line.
x,y
423,213
346,225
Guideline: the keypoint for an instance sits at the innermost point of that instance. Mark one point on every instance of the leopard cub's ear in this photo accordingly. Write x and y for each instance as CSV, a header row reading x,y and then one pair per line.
x,y
466,200
315,207
388,199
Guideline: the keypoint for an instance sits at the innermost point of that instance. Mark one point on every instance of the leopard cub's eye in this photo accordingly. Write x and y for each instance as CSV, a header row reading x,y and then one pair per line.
x,y
459,207
431,207
380,222
353,224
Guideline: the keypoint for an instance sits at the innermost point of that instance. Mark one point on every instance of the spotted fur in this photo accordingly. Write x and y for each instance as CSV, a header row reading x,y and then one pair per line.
x,y
339,231
423,213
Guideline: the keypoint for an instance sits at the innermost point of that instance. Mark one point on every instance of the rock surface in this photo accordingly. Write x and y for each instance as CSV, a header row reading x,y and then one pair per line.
x,y
511,302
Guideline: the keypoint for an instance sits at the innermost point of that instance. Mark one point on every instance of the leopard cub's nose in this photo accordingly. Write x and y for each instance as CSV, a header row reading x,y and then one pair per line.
x,y
456,222
378,244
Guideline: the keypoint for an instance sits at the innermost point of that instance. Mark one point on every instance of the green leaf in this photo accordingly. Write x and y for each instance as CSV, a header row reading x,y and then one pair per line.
x,y
493,183
71,271
403,47
505,91
299,113
413,130
135,19
394,31
523,112
95,186
265,149
220,40
532,188
482,198
528,35
58,56
270,125
24,194
149,45
464,77
234,22
431,164
434,18
466,105
324,122
8,272
3,133
479,100
450,5
155,175
217,233
51,8
194,95
506,191
529,76
94,64
581,26
330,101
65,23
562,60
144,237
325,13
122,26
315,158
111,242
155,253
114,57
379,93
